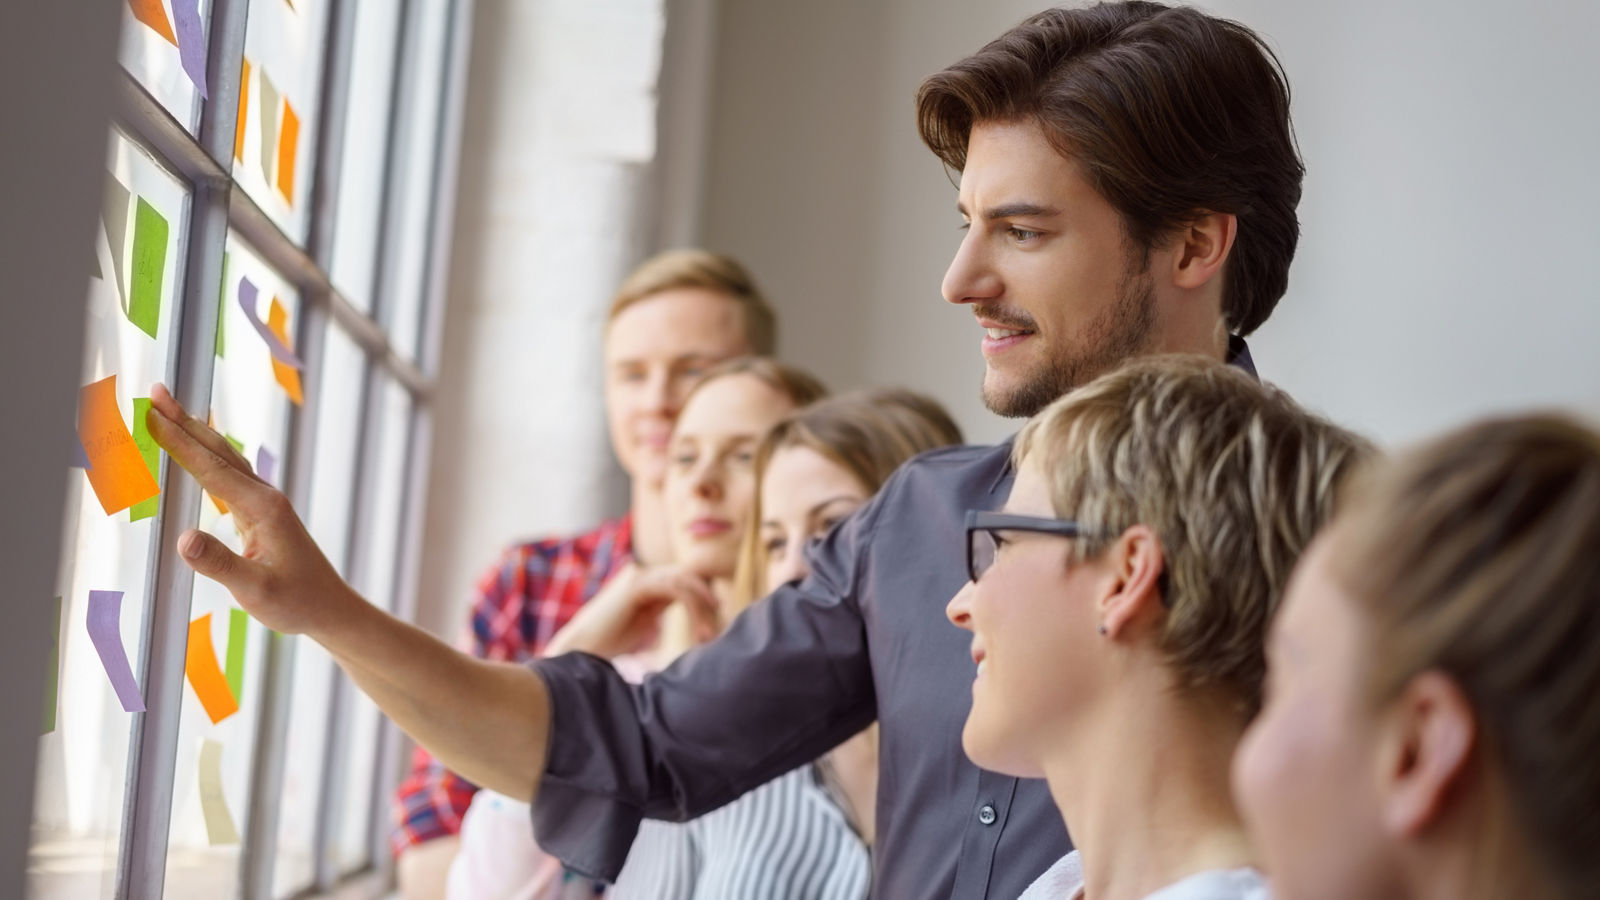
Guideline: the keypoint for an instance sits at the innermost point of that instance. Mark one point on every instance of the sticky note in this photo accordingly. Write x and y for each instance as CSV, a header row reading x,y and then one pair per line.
x,y
213,805
191,42
222,308
117,471
238,633
151,13
288,144
277,344
267,466
288,376
205,676
151,453
52,681
114,210
149,265
104,620
244,109
267,104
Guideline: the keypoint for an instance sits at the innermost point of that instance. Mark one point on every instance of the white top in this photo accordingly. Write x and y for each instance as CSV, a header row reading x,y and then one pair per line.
x,y
1064,881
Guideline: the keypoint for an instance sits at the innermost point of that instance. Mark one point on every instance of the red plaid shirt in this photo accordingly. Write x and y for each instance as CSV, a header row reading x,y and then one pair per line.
x,y
533,591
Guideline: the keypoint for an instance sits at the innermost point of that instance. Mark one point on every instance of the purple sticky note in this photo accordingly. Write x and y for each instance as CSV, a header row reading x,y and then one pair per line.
x,y
104,618
267,466
80,459
247,302
191,42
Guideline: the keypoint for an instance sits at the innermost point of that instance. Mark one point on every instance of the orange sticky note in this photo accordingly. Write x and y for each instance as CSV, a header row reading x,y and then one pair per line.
x,y
288,140
288,376
116,467
244,107
152,14
205,676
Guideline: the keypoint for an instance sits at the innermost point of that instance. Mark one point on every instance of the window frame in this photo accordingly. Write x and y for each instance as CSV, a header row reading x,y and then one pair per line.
x,y
218,205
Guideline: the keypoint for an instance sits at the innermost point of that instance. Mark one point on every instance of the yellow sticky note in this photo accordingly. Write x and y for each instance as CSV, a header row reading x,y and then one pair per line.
x,y
213,804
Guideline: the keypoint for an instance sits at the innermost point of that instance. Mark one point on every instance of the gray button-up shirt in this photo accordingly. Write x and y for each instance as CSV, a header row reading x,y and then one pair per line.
x,y
863,637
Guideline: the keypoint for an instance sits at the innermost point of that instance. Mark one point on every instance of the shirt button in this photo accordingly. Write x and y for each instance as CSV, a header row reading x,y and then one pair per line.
x,y
986,814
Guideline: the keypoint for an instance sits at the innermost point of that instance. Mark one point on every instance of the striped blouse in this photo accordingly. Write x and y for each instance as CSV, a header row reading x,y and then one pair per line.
x,y
786,840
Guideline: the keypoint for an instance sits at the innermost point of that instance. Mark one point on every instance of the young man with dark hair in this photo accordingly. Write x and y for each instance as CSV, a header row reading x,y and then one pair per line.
x,y
1129,179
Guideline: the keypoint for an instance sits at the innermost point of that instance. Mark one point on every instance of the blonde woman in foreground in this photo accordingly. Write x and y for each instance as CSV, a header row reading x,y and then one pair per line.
x,y
1118,606
1432,727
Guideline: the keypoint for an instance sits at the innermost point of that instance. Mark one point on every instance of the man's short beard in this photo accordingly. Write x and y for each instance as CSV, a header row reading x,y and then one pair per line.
x,y
1121,333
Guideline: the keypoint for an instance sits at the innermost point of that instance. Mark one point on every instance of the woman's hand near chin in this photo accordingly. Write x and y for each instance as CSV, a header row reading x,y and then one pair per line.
x,y
625,616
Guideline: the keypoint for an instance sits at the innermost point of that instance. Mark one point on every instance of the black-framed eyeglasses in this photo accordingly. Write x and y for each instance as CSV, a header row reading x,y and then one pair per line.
x,y
982,543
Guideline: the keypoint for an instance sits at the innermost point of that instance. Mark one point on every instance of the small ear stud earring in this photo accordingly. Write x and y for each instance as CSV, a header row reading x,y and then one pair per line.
x,y
1102,630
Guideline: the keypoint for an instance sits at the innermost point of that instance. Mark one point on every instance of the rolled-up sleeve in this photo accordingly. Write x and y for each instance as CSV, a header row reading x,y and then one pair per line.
x,y
789,680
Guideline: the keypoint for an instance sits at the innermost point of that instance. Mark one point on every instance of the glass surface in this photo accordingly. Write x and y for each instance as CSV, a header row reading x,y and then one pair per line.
x,y
250,405
163,47
365,154
418,144
83,758
274,155
376,581
328,519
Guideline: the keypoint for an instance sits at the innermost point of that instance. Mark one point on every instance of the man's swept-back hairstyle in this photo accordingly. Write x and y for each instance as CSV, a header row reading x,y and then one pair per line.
x,y
1232,475
1169,112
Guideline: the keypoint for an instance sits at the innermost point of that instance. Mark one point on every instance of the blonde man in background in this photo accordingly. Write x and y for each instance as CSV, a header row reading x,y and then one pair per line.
x,y
674,317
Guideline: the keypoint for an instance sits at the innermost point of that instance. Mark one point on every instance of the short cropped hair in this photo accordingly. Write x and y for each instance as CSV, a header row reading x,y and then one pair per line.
x,y
1169,112
693,268
1233,477
1478,555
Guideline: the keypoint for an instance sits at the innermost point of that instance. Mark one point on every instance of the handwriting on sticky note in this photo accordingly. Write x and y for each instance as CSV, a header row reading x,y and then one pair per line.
x,y
288,376
213,803
150,235
205,676
104,621
116,469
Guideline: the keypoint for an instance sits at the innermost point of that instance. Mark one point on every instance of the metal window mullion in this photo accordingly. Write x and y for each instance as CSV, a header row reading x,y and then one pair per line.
x,y
153,754
401,108
257,860
391,743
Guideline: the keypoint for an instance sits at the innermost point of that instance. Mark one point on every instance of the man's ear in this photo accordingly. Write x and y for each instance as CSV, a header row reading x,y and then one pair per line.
x,y
1135,562
1201,249
1426,748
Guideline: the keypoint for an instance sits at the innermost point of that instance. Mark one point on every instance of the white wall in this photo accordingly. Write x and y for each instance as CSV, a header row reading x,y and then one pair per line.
x,y
1449,219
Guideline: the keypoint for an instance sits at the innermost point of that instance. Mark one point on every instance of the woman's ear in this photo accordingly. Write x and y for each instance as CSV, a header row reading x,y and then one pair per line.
x,y
1135,563
1426,747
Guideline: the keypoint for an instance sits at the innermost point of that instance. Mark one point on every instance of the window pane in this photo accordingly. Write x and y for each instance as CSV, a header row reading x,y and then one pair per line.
x,y
280,93
419,144
83,753
376,581
250,402
332,497
366,150
164,48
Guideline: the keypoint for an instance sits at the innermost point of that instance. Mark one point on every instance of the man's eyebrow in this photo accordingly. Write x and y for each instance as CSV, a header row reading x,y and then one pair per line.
x,y
1009,210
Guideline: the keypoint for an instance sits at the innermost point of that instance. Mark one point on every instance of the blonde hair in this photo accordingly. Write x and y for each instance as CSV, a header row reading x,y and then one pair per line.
x,y
1233,477
800,386
868,433
691,268
1478,555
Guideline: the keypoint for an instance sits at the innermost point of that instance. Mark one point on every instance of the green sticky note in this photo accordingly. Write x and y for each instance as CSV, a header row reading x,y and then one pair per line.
x,y
238,445
238,627
151,453
222,307
51,677
149,266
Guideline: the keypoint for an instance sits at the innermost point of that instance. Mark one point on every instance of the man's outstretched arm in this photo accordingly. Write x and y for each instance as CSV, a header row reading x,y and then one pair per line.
x,y
487,721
